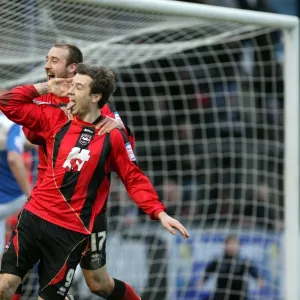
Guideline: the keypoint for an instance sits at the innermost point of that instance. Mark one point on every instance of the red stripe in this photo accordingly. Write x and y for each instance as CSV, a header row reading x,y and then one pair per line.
x,y
16,242
60,275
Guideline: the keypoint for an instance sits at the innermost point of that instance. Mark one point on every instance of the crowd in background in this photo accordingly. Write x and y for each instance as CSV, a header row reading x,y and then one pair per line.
x,y
210,131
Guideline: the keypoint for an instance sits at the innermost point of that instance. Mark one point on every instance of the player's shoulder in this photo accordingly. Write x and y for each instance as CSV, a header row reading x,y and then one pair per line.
x,y
118,134
119,141
117,138
108,108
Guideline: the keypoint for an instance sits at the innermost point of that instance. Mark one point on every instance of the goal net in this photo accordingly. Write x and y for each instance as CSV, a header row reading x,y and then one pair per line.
x,y
205,99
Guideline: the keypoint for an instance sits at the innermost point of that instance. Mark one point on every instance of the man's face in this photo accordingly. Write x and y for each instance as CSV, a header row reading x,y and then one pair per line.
x,y
232,247
80,95
56,63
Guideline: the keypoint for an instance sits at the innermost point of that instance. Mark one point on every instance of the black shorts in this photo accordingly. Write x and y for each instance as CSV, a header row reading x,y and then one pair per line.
x,y
58,249
95,255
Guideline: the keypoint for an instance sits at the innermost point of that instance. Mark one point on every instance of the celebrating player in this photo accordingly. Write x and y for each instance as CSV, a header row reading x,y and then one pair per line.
x,y
61,61
57,221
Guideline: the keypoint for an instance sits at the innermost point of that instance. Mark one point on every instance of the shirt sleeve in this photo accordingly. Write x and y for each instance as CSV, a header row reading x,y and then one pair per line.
x,y
253,271
109,110
18,106
210,268
15,139
136,182
35,138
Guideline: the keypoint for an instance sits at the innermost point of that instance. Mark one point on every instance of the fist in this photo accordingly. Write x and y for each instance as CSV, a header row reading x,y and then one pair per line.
x,y
59,86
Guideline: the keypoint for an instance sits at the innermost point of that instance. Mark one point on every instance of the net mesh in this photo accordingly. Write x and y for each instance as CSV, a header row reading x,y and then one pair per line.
x,y
205,100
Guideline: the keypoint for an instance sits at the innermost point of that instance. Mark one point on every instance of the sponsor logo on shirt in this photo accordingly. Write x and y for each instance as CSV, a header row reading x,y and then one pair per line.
x,y
95,260
88,130
7,246
62,291
76,159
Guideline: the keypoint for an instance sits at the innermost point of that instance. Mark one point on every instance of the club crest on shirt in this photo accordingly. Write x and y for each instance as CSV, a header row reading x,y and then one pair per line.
x,y
85,139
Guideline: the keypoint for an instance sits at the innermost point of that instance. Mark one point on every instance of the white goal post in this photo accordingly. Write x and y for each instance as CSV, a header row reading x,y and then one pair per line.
x,y
290,26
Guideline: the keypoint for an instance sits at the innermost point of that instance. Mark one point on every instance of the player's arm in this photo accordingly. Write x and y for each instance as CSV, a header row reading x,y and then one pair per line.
x,y
112,120
210,269
15,147
35,138
253,271
18,106
137,183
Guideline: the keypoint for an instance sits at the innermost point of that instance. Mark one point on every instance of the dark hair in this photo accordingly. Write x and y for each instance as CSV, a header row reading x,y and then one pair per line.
x,y
230,238
104,81
75,55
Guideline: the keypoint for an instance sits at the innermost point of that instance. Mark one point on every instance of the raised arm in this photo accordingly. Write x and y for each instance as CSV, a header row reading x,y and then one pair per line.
x,y
18,106
137,183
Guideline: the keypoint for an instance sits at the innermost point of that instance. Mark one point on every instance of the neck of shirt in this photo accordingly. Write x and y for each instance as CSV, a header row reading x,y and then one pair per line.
x,y
85,123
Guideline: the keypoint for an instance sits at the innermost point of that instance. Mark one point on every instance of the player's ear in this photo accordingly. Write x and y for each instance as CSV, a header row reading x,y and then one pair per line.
x,y
71,68
96,97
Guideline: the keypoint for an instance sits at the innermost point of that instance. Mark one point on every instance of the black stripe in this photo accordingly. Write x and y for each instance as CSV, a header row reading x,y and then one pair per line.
x,y
104,208
44,148
129,131
97,120
58,139
111,107
97,178
71,176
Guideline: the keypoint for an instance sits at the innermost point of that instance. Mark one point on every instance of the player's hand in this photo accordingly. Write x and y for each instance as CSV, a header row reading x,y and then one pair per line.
x,y
107,124
67,113
59,86
170,223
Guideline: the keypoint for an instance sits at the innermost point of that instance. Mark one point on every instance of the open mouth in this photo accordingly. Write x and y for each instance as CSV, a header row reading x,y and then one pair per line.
x,y
50,75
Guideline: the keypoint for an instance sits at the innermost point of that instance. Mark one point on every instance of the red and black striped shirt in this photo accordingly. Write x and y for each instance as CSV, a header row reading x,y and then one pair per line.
x,y
76,184
37,139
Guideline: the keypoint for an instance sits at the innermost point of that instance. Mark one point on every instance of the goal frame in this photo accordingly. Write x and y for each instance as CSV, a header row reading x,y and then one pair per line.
x,y
290,27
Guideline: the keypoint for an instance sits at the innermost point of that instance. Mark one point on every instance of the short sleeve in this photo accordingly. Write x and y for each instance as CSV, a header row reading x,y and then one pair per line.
x,y
15,139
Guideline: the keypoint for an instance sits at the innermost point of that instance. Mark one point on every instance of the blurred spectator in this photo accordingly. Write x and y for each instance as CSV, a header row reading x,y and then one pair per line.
x,y
260,210
231,270
183,164
171,193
